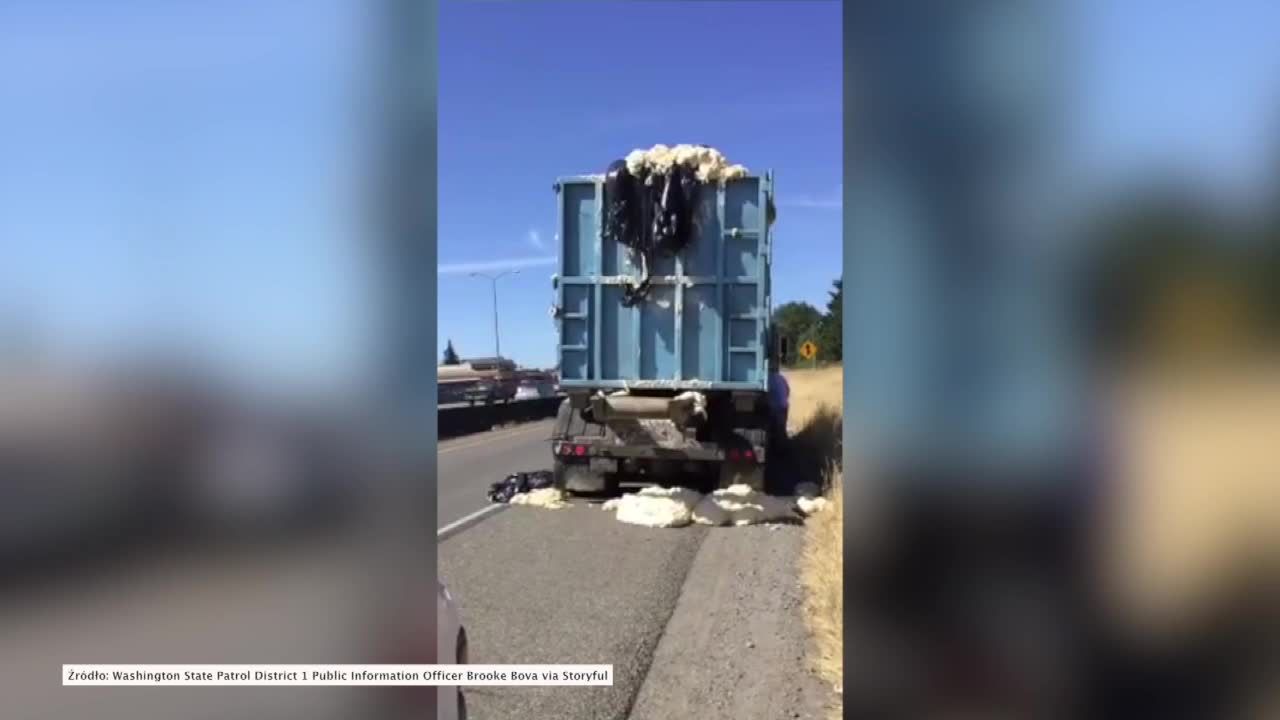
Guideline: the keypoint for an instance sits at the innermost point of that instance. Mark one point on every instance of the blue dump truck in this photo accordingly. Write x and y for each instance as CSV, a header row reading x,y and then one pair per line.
x,y
663,310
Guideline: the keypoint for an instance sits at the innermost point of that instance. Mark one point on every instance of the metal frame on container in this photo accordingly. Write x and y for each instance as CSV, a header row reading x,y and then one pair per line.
x,y
679,281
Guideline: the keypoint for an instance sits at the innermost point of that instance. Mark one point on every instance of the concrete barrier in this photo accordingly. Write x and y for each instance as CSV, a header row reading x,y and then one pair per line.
x,y
460,419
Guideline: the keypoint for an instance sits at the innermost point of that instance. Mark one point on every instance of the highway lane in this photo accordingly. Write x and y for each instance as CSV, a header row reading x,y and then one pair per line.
x,y
548,586
576,586
565,586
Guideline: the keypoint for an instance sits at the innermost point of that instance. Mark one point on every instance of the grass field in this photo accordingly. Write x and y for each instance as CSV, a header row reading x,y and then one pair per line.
x,y
815,425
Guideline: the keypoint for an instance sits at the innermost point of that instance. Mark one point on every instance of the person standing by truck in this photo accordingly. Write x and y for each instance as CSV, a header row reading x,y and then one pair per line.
x,y
779,398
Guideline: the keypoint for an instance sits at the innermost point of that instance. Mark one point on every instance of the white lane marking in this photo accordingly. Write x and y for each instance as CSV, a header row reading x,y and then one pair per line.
x,y
463,523
491,438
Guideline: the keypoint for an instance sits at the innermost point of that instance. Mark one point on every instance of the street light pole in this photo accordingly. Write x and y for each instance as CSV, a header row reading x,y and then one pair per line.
x,y
497,343
493,279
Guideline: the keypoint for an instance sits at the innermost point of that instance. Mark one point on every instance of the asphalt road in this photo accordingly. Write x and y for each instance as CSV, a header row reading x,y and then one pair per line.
x,y
697,622
467,465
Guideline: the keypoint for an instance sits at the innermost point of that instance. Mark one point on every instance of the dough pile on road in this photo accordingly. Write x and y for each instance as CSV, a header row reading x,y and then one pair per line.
x,y
740,505
549,498
656,507
661,507
811,505
736,505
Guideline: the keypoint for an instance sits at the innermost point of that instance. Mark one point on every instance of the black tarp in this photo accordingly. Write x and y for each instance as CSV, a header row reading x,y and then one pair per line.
x,y
521,482
651,213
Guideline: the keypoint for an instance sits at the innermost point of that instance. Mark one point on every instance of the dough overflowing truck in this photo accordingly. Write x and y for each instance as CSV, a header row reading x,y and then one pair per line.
x,y
663,314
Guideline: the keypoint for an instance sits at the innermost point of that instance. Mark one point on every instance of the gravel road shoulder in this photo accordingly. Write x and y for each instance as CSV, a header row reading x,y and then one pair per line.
x,y
735,646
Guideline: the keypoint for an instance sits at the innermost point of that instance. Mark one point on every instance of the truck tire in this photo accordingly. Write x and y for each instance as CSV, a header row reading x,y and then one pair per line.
x,y
779,474
746,473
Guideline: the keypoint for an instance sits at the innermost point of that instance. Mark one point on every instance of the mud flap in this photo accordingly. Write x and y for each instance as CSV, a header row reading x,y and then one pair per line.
x,y
579,478
749,474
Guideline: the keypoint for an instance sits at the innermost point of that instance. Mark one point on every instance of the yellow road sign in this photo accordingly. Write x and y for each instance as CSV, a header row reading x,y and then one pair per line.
x,y
808,350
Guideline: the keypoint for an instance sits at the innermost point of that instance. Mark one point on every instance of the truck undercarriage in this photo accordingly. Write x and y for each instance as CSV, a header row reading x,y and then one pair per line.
x,y
635,442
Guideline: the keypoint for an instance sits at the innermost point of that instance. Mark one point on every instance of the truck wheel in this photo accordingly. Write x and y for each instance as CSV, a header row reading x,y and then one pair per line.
x,y
780,477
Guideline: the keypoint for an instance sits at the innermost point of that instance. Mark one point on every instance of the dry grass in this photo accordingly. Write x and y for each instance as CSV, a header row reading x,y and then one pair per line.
x,y
812,392
815,425
822,572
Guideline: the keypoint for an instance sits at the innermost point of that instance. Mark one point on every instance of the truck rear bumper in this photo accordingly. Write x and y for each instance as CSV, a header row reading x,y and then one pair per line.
x,y
587,448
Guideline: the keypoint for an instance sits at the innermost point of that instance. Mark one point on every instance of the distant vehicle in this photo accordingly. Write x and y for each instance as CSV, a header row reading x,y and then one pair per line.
x,y
529,392
481,380
666,361
535,389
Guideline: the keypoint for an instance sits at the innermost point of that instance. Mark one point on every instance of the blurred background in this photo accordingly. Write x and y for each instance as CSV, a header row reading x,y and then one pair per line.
x,y
195,461
194,426
1061,352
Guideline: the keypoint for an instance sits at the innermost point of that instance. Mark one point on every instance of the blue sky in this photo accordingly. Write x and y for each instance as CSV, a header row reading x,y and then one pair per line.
x,y
533,91
193,171
1179,87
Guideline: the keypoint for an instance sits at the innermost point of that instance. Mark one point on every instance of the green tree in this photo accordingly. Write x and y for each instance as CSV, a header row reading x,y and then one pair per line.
x,y
830,331
450,355
795,321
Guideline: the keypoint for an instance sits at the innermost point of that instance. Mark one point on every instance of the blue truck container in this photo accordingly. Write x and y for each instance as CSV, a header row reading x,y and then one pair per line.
x,y
700,333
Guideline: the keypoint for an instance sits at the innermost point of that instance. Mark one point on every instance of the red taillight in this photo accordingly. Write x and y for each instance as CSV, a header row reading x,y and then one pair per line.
x,y
733,454
748,455
566,449
580,450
